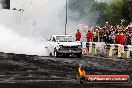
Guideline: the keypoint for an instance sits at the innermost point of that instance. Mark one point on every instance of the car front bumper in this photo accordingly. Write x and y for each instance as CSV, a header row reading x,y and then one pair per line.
x,y
70,51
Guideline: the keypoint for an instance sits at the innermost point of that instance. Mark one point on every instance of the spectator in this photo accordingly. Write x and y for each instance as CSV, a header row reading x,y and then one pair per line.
x,y
101,34
78,35
118,34
117,38
89,36
111,38
105,37
122,39
128,39
95,35
131,38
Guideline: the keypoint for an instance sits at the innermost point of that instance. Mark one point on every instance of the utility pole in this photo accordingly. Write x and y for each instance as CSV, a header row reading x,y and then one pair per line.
x,y
66,19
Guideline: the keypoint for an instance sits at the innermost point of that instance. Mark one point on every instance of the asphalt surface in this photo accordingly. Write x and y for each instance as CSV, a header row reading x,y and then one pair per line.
x,y
30,71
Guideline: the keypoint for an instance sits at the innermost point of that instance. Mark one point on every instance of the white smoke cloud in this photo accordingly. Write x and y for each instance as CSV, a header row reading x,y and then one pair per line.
x,y
20,32
49,16
12,42
23,31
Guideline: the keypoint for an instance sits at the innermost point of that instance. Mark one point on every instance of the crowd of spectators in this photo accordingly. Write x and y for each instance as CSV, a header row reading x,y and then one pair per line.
x,y
118,34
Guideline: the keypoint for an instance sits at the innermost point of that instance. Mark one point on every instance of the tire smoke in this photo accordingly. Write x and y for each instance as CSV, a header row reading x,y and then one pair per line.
x,y
26,32
12,42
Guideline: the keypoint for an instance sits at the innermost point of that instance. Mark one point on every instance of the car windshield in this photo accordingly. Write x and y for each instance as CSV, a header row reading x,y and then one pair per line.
x,y
65,39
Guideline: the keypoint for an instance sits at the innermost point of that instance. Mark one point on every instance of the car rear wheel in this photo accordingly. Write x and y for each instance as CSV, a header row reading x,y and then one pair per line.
x,y
56,54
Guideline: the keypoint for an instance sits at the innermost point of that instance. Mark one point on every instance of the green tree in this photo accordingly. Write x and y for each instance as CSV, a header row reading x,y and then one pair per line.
x,y
127,11
100,12
113,11
118,10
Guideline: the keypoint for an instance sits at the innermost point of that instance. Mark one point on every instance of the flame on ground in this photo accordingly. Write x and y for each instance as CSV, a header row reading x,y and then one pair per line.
x,y
81,71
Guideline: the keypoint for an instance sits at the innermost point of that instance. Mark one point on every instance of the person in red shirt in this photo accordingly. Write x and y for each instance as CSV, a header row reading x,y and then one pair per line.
x,y
122,39
89,36
78,35
117,38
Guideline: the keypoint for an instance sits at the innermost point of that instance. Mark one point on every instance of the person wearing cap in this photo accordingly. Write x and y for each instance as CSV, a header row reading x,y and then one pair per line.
x,y
78,35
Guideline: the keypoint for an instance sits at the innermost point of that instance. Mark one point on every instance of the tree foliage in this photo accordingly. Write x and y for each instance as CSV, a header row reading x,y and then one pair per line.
x,y
113,12
126,10
118,10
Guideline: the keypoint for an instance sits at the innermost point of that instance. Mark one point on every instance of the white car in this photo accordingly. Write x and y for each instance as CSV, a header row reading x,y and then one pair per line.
x,y
64,45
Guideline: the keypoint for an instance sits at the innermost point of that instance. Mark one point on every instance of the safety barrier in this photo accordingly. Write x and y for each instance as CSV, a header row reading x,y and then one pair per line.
x,y
118,51
106,50
84,49
113,50
92,48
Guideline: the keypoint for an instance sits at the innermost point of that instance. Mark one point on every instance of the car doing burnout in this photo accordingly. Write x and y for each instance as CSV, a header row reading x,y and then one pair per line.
x,y
64,45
